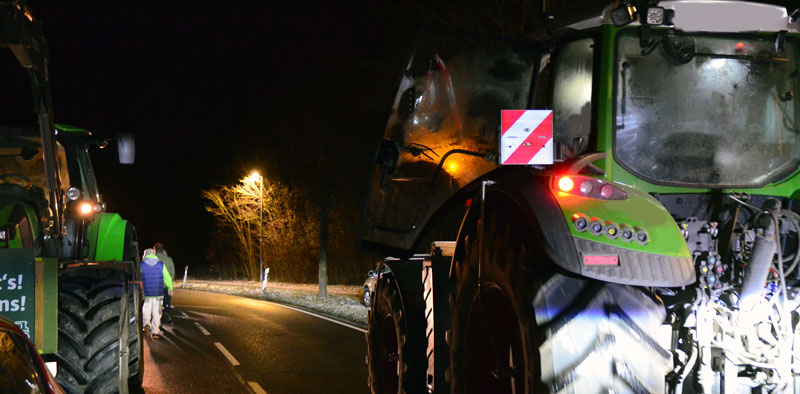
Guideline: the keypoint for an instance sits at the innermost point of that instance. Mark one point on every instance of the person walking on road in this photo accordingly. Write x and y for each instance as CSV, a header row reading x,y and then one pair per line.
x,y
162,255
155,279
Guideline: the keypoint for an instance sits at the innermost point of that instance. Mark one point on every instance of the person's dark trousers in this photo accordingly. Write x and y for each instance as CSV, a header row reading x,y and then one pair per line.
x,y
166,318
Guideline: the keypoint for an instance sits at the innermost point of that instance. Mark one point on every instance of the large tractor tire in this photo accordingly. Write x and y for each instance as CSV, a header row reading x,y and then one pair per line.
x,y
396,337
132,253
530,328
96,309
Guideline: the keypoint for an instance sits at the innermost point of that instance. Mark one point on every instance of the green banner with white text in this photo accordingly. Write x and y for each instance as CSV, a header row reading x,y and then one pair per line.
x,y
17,301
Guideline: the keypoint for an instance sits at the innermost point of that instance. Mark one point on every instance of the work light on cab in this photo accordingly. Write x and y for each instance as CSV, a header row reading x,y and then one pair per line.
x,y
73,193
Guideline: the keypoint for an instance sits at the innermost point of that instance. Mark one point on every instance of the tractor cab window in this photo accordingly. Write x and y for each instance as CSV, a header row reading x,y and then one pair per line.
x,y
707,110
88,181
443,129
565,86
22,169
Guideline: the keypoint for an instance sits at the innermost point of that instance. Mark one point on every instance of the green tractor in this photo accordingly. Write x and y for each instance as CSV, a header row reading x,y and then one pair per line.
x,y
626,188
69,269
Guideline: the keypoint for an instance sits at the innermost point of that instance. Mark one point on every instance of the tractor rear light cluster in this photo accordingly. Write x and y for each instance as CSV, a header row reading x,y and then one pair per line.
x,y
585,186
611,230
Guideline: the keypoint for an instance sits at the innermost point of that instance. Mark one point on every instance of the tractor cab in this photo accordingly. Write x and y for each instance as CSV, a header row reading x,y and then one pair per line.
x,y
699,97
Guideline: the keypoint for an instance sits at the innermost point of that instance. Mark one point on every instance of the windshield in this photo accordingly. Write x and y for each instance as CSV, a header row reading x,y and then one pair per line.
x,y
22,164
707,110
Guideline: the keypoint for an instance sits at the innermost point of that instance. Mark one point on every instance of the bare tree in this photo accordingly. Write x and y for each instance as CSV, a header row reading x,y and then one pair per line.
x,y
287,230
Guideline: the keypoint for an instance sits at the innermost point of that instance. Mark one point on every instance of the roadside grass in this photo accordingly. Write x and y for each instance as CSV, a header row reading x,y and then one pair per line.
x,y
342,302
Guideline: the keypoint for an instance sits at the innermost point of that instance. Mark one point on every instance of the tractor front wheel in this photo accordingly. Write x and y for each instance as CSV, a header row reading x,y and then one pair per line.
x,y
94,305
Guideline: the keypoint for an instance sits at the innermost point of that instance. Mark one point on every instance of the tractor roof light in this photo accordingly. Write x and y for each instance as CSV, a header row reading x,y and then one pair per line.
x,y
655,16
623,15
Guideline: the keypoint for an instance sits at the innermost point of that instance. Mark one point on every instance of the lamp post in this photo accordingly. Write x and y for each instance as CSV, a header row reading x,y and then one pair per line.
x,y
260,225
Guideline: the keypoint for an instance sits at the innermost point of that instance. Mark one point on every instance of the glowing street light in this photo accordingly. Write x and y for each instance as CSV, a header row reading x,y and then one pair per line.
x,y
255,175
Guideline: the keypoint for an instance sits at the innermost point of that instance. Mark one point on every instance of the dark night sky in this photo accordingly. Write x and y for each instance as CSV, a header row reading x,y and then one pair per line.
x,y
190,82
213,90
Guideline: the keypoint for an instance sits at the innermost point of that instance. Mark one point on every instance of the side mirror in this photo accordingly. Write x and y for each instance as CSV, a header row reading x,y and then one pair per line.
x,y
371,273
126,148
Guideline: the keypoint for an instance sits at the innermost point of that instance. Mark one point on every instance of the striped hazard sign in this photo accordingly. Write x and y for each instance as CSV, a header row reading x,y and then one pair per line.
x,y
526,137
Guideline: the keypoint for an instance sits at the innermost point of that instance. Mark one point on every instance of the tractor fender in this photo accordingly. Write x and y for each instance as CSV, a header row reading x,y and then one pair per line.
x,y
407,274
531,194
106,237
537,206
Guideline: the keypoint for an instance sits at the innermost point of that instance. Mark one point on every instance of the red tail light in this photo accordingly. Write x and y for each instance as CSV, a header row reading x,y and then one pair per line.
x,y
588,187
565,184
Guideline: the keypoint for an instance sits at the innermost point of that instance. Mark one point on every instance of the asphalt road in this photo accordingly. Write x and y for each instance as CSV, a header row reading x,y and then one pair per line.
x,y
226,344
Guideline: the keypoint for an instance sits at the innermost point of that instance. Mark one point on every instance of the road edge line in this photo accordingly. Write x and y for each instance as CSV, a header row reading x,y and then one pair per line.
x,y
318,316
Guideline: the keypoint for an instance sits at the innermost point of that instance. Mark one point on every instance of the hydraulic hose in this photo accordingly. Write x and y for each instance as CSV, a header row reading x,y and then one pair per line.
x,y
760,262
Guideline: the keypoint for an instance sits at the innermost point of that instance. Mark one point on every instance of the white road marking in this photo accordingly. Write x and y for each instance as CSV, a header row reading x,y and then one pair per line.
x,y
319,316
256,388
183,314
227,354
202,329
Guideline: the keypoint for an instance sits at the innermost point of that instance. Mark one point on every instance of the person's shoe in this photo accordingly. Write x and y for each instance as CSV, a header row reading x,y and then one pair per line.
x,y
156,336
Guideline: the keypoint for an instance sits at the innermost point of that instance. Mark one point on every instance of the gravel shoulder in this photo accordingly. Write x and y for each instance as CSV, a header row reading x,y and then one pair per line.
x,y
342,303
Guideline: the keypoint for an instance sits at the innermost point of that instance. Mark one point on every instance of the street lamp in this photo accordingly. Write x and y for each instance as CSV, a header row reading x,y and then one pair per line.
x,y
255,175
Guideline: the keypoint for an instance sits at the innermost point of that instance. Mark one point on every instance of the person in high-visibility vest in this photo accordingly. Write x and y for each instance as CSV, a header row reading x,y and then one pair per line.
x,y
155,278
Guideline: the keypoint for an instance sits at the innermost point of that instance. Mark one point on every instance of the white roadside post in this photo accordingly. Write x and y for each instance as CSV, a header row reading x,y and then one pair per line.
x,y
185,271
264,284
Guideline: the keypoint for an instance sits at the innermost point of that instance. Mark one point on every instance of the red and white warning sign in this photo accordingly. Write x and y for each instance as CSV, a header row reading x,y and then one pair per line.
x,y
526,136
